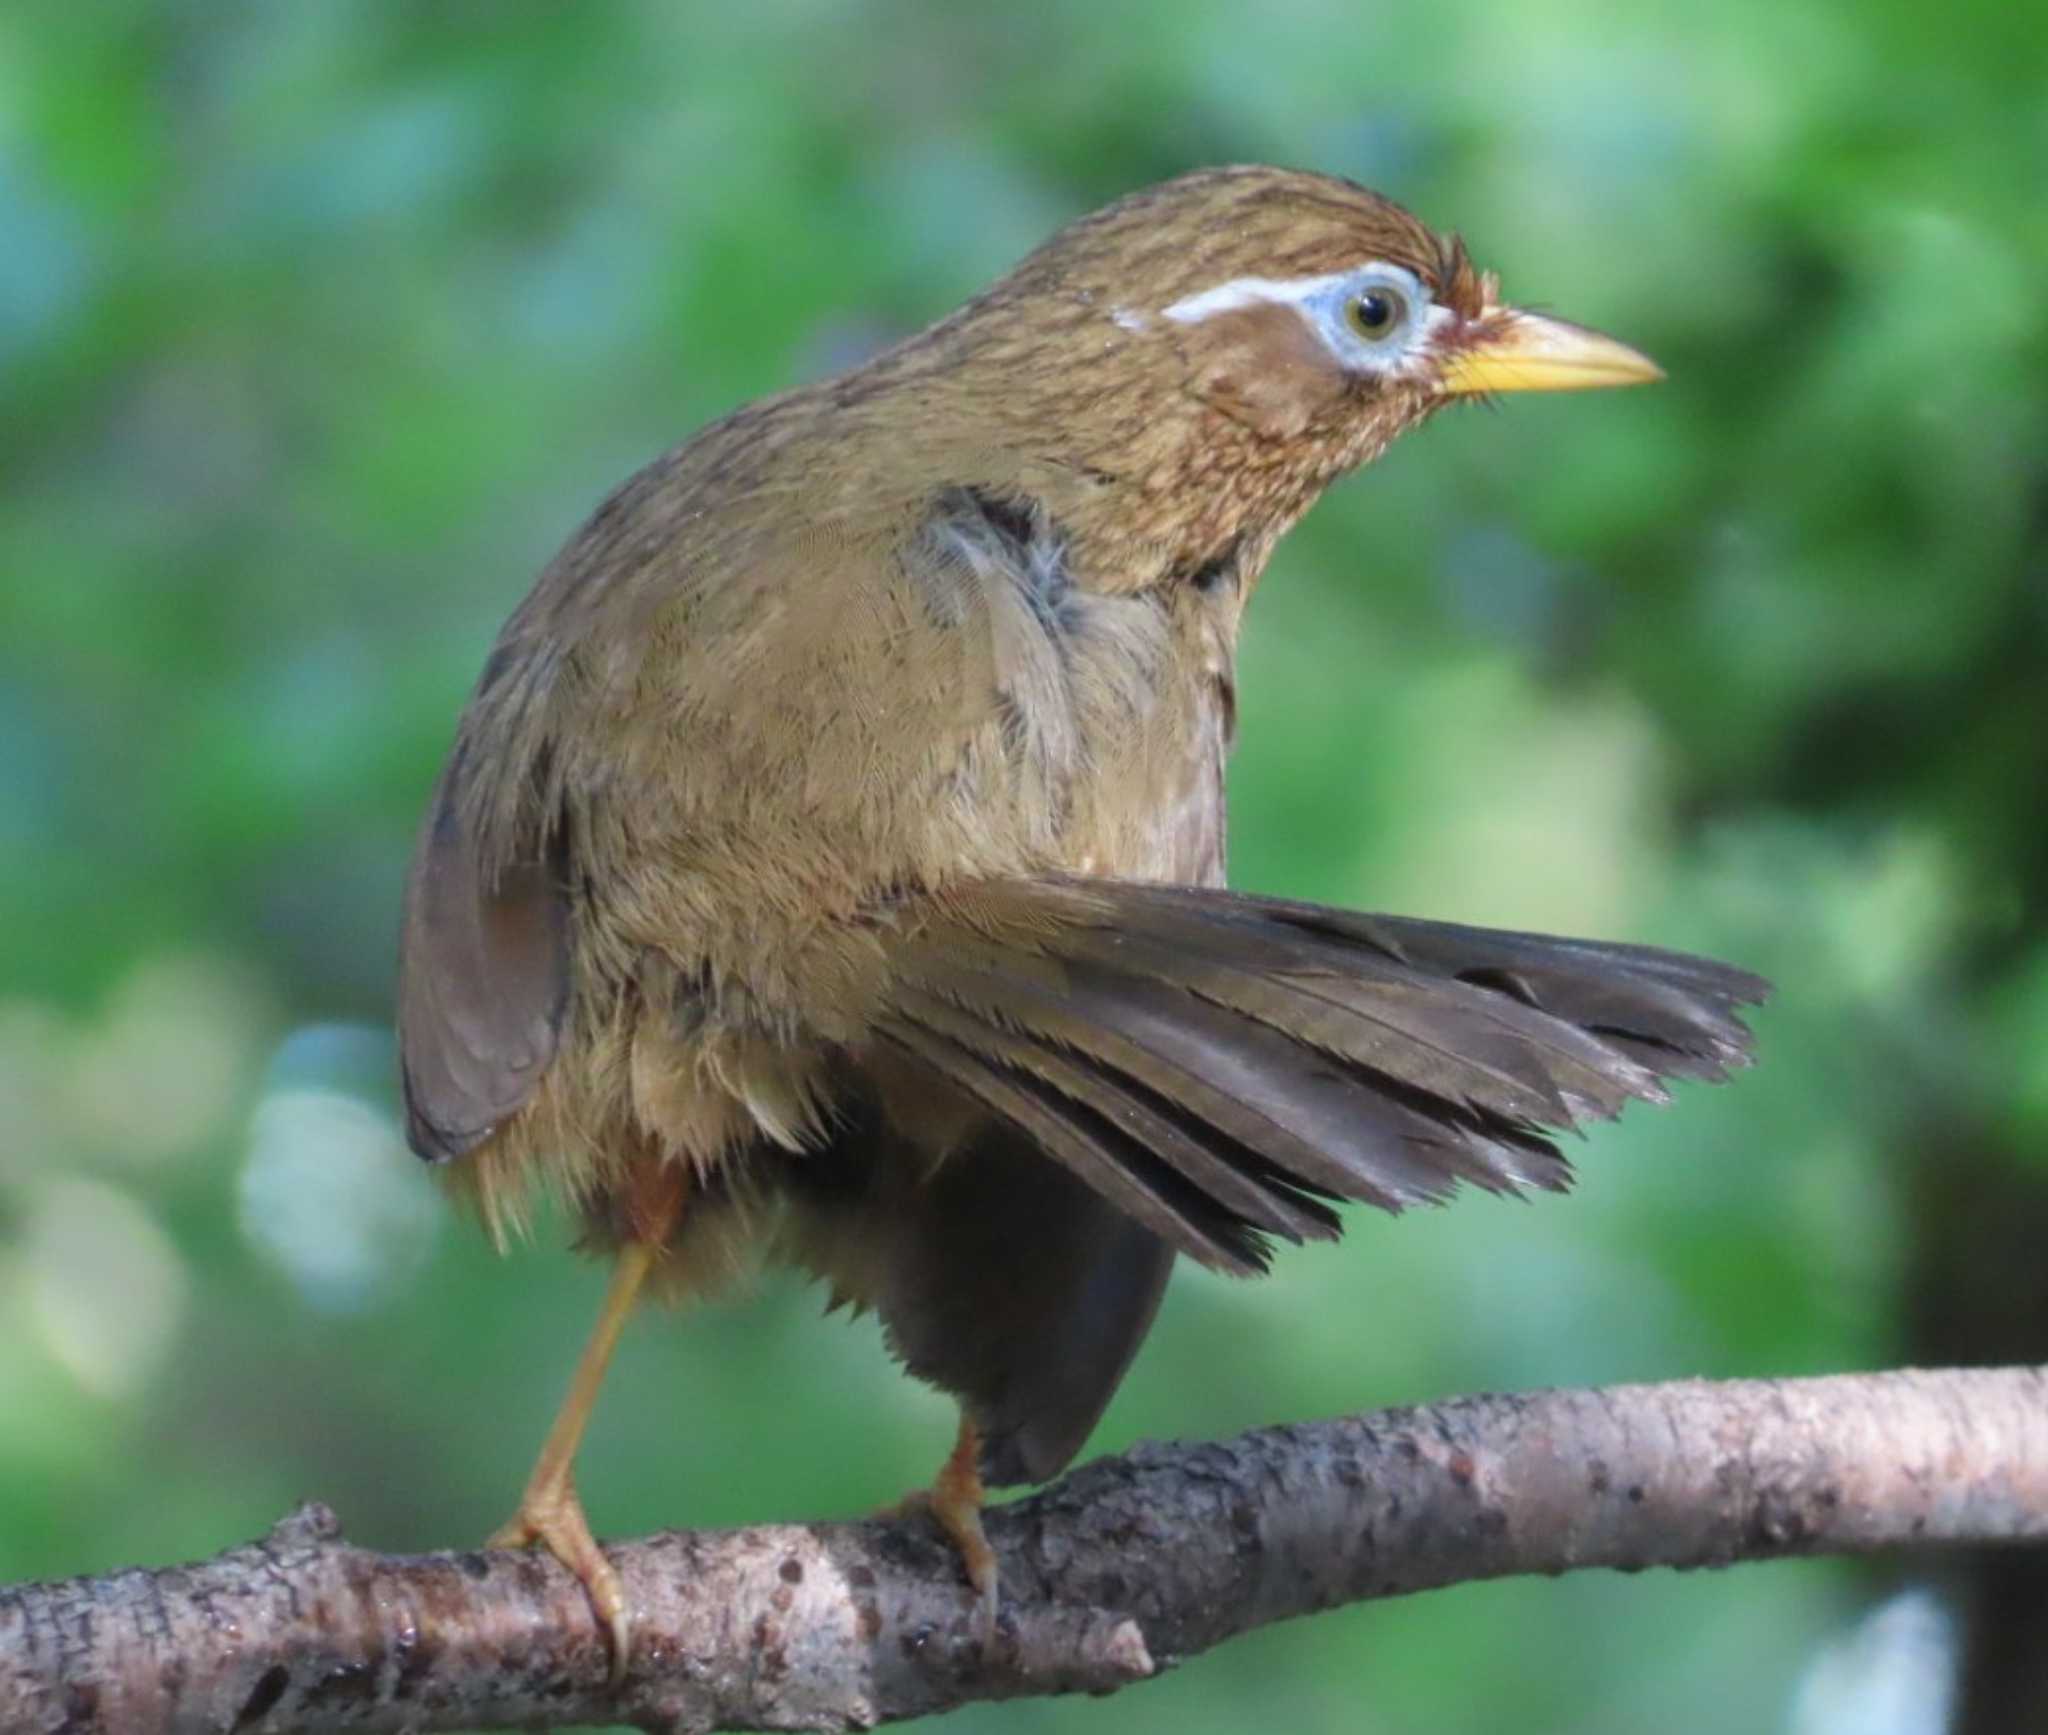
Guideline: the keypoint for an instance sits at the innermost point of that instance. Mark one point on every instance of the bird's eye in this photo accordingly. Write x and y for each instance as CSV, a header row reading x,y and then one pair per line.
x,y
1375,314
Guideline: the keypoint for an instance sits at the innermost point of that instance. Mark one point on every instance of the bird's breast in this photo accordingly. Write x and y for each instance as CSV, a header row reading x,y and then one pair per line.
x,y
1095,718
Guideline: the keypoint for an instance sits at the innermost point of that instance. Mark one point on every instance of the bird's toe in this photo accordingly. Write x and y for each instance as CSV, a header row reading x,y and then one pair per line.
x,y
553,1518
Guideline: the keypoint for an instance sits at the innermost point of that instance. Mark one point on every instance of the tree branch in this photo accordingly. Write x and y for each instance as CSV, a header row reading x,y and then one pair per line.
x,y
1128,1564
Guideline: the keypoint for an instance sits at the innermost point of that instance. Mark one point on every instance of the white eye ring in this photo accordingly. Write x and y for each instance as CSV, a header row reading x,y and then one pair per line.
x,y
1331,305
1372,318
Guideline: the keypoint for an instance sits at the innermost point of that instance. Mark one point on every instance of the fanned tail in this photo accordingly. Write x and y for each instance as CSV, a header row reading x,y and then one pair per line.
x,y
1224,1067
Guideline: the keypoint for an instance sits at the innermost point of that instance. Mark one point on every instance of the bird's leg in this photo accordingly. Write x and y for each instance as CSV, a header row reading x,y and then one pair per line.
x,y
955,1499
549,1511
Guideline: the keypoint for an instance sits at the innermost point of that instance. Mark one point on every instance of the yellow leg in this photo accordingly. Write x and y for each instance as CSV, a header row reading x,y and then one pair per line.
x,y
549,1511
955,1499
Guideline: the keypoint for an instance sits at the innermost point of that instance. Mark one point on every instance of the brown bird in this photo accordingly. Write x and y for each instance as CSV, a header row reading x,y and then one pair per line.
x,y
829,865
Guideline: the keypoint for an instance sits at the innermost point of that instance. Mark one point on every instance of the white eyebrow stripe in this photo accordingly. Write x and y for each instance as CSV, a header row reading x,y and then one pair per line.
x,y
1241,292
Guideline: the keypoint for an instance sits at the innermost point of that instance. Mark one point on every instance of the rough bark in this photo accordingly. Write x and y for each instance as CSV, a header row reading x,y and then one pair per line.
x,y
1128,1564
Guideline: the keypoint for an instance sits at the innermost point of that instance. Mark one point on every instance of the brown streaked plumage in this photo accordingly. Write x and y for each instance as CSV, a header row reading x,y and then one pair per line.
x,y
828,867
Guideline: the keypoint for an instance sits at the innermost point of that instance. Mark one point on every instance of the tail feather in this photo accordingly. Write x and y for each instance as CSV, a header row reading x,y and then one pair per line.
x,y
1218,1065
1229,1173
1382,1012
1250,1080
1588,992
1671,1003
1119,1168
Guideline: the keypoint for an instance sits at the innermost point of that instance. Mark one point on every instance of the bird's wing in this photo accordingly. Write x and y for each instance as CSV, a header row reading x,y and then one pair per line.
x,y
1223,1066
484,952
720,709
483,974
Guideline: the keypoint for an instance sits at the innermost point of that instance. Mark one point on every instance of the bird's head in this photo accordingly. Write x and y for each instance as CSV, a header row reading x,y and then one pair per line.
x,y
1247,334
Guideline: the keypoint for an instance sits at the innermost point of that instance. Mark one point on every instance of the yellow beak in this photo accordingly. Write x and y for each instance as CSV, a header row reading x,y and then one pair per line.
x,y
1513,351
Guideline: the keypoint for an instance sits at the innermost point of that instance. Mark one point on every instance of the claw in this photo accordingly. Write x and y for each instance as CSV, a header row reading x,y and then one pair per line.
x,y
551,1516
954,1500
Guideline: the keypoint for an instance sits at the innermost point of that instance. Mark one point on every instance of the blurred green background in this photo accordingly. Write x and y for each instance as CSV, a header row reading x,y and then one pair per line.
x,y
322,324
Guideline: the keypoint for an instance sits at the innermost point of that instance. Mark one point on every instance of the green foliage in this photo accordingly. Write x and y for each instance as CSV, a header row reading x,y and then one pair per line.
x,y
322,324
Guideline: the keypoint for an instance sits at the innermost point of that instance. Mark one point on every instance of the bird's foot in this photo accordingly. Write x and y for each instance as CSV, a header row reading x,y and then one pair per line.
x,y
551,1516
962,1523
954,1500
